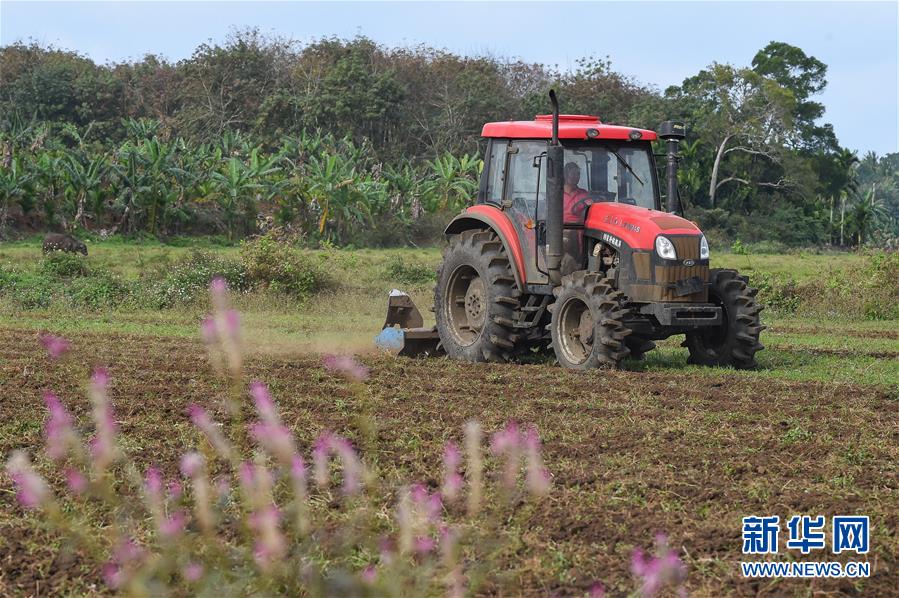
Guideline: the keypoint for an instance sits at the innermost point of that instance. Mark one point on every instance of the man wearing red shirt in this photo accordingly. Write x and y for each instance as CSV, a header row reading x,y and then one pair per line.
x,y
573,194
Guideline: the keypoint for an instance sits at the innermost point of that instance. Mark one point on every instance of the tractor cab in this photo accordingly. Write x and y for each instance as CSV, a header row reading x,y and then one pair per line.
x,y
602,164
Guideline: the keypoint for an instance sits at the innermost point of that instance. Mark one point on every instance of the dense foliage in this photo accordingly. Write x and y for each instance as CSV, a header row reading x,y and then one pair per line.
x,y
349,142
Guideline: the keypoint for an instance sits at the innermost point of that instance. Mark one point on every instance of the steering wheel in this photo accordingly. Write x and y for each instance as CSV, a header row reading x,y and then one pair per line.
x,y
582,204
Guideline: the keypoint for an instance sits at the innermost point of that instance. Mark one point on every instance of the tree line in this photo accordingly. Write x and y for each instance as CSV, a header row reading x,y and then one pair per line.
x,y
348,141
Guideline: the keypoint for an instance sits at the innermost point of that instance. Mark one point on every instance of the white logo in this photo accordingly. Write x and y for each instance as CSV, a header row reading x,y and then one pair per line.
x,y
611,240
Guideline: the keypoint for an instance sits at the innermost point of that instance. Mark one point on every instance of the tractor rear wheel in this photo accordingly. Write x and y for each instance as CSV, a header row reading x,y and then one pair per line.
x,y
587,322
476,300
736,341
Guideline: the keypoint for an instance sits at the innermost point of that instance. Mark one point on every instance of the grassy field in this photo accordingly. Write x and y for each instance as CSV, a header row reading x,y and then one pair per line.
x,y
657,447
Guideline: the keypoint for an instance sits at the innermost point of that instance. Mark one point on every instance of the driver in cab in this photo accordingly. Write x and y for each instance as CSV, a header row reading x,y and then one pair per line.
x,y
574,207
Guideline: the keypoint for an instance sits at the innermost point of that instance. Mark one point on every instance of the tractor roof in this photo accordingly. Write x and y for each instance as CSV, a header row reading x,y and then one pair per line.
x,y
571,126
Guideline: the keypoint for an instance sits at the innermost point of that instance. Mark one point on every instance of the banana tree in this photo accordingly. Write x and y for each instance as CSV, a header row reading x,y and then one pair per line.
x,y
83,178
452,183
14,183
241,183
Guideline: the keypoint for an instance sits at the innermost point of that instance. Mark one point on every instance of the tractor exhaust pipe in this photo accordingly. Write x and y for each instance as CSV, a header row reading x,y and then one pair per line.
x,y
672,132
554,198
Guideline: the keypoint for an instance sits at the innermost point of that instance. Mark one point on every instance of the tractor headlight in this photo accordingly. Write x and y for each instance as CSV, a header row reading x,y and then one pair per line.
x,y
703,248
665,248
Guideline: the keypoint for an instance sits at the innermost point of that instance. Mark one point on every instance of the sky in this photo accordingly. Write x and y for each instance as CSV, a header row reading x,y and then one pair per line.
x,y
657,43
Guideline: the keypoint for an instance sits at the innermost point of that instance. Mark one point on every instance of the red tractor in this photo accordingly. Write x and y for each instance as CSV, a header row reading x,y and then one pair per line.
x,y
567,245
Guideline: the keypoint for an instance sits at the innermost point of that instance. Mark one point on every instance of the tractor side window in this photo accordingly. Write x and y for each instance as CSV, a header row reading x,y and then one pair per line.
x,y
496,166
526,185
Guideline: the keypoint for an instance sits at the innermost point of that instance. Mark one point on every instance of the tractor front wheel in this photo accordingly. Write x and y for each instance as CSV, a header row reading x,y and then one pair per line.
x,y
736,341
476,299
587,323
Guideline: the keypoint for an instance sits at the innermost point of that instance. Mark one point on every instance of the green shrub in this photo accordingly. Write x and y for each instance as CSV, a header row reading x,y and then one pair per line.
x,y
187,280
882,295
98,291
282,268
29,290
409,273
61,264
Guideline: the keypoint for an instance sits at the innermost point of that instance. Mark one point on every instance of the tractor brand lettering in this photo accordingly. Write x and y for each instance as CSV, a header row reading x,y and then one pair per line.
x,y
616,221
611,240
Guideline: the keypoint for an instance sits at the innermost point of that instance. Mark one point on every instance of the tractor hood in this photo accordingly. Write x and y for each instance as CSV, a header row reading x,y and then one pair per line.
x,y
636,226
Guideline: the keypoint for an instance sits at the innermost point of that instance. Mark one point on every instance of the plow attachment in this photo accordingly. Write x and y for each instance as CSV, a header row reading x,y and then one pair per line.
x,y
404,329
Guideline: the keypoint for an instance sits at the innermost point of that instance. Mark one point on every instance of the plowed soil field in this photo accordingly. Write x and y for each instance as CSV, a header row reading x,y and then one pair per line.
x,y
631,453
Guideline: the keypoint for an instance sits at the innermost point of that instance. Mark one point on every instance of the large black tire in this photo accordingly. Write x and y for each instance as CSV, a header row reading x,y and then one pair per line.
x,y
476,300
736,341
587,325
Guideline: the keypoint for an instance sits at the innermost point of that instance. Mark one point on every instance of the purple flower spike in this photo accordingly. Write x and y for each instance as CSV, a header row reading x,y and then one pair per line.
x,y
218,286
208,331
369,574
76,481
100,379
657,572
346,366
32,490
173,526
112,575
55,345
58,429
191,464
153,482
424,544
597,590
193,572
263,401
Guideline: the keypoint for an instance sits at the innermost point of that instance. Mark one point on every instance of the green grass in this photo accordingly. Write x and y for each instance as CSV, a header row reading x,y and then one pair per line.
x,y
349,315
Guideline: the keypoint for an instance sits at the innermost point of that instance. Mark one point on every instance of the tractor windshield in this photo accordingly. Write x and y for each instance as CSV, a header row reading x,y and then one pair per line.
x,y
609,172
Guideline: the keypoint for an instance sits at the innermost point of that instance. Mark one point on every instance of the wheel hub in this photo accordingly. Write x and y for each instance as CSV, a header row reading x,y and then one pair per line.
x,y
576,331
475,303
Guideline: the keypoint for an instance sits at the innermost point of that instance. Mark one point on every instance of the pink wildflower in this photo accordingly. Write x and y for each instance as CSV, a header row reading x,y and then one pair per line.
x,y
475,469
191,464
270,542
58,429
208,331
32,489
507,442
210,429
231,321
452,480
173,526
218,290
320,452
276,440
597,590
192,572
103,446
153,483
369,575
346,366
112,575
264,403
76,481
174,490
55,345
537,476
657,572
424,544
352,467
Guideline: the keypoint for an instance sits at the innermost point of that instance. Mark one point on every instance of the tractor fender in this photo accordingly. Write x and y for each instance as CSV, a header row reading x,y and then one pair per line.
x,y
485,216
